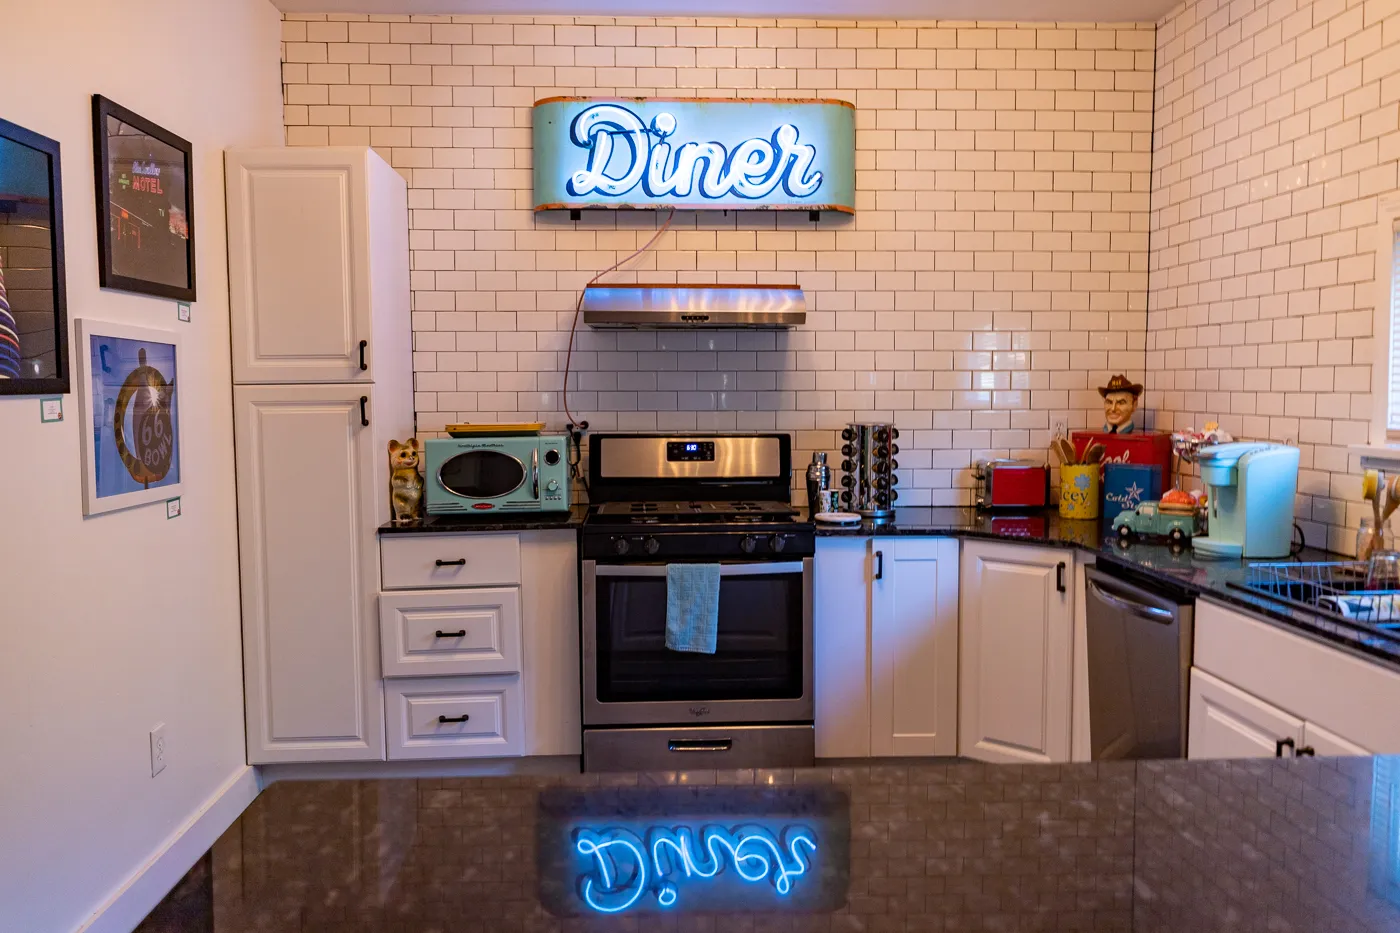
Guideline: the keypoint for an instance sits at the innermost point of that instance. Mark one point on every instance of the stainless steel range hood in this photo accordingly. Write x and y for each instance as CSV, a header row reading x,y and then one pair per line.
x,y
651,307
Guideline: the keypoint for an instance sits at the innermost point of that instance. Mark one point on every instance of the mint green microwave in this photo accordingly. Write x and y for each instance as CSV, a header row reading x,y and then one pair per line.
x,y
489,475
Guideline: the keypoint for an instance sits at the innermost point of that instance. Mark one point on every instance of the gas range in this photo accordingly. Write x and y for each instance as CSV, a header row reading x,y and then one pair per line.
x,y
664,500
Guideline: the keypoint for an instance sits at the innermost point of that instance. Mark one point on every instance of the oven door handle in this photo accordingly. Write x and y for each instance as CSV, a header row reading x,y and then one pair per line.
x,y
726,570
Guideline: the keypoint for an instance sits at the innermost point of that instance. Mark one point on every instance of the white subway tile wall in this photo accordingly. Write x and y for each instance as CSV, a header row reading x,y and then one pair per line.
x,y
994,274
1276,131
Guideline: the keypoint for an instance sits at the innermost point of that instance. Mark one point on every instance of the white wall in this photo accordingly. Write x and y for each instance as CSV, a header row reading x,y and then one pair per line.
x,y
1276,133
112,624
994,274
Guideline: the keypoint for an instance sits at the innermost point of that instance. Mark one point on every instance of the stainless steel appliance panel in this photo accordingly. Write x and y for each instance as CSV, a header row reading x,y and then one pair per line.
x,y
707,748
1139,645
756,456
705,706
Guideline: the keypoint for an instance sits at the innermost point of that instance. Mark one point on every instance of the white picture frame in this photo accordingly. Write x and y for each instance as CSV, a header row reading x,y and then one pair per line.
x,y
125,380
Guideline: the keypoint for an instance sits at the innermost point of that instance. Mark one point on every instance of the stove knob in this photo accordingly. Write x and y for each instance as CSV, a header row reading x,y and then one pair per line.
x,y
652,545
621,546
748,544
778,543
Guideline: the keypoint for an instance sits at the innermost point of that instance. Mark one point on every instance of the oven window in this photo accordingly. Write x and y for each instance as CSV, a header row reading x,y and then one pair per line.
x,y
759,649
482,474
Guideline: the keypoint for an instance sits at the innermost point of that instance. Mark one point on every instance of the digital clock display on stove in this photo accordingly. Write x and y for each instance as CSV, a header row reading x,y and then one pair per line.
x,y
690,450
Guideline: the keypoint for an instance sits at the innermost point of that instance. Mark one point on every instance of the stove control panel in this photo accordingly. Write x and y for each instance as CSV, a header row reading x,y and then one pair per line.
x,y
723,545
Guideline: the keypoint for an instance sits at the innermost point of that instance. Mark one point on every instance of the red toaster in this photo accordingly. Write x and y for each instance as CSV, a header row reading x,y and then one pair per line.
x,y
1012,484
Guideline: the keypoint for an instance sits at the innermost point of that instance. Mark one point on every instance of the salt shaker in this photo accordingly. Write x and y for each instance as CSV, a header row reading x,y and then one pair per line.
x,y
818,481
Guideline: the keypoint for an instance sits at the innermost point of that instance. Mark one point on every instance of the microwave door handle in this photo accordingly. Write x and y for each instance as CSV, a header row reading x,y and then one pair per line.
x,y
535,471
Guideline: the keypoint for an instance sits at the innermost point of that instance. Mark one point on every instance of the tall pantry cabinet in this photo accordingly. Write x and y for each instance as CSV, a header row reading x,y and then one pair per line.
x,y
323,379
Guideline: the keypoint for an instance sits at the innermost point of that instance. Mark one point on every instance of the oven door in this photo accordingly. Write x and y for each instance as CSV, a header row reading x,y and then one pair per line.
x,y
761,670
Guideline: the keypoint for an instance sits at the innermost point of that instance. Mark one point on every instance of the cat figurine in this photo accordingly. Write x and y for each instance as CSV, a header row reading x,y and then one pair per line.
x,y
405,483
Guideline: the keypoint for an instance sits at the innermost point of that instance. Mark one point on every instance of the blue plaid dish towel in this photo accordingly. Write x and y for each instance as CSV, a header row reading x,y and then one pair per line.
x,y
692,607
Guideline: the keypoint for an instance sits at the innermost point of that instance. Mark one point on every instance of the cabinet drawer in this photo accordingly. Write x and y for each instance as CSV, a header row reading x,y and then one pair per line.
x,y
472,631
419,561
425,717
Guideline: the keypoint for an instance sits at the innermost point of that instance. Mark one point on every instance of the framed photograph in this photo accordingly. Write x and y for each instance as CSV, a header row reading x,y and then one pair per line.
x,y
33,302
145,204
129,399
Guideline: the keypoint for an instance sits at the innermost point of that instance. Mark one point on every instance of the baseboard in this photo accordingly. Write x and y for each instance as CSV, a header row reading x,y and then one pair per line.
x,y
141,892
533,765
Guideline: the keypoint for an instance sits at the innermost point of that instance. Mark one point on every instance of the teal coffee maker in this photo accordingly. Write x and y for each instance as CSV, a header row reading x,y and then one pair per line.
x,y
1250,512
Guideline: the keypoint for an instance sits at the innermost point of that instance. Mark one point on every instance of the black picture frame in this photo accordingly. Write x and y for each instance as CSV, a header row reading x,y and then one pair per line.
x,y
60,382
103,110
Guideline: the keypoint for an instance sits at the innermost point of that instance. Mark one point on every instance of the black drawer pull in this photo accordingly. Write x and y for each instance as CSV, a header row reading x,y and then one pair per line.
x,y
879,565
1307,751
1060,576
364,345
462,718
700,745
364,411
1280,745
441,634
459,562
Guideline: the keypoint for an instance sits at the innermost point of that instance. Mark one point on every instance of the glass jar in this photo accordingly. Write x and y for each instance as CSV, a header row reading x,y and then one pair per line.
x,y
1364,543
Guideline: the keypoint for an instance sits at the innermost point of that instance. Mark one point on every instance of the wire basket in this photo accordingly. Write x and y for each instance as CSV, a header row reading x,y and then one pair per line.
x,y
1337,590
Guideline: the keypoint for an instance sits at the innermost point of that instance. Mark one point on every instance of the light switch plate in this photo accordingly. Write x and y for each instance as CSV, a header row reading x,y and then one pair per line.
x,y
158,749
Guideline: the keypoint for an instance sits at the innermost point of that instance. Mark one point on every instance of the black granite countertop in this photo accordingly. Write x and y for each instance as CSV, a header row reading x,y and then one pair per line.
x,y
460,524
1180,568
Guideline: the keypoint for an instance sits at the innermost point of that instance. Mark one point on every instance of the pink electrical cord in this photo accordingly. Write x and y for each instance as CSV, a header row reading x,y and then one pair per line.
x,y
573,328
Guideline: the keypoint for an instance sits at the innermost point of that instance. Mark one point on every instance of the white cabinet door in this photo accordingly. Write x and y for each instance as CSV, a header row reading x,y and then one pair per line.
x,y
840,643
299,246
1226,722
1016,651
306,527
1327,744
914,647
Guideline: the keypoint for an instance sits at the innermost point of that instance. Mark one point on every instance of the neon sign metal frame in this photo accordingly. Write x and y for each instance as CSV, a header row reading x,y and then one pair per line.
x,y
695,153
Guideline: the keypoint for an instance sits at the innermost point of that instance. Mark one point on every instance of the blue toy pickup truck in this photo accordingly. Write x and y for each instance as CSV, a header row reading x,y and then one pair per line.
x,y
1149,518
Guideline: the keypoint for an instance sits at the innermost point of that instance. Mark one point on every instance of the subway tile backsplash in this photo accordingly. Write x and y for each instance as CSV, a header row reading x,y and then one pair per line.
x,y
1027,224
995,271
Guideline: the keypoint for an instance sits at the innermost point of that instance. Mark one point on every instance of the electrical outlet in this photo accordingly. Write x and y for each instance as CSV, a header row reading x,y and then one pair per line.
x,y
159,749
1059,429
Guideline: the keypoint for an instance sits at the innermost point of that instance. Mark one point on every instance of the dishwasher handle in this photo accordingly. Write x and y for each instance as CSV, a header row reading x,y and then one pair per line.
x,y
1155,613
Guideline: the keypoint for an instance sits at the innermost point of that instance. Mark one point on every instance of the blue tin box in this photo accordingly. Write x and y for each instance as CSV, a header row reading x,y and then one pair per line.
x,y
1128,485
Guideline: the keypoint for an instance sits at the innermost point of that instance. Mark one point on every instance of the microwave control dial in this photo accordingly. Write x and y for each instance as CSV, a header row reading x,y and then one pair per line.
x,y
652,545
551,457
748,544
552,485
621,545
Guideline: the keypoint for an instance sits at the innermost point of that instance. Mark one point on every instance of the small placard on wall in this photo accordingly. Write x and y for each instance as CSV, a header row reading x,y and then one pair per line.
x,y
172,508
182,310
50,409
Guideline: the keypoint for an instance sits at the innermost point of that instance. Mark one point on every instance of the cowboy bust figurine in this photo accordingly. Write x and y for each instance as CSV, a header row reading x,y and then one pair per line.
x,y
1120,400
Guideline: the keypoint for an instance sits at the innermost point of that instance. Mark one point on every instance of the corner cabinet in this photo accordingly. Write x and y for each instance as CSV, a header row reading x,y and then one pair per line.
x,y
1017,638
885,644
308,509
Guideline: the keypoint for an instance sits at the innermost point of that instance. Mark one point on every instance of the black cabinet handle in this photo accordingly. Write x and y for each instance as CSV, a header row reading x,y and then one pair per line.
x,y
441,634
462,718
879,565
1280,745
459,562
364,411
1060,576
364,345
1306,751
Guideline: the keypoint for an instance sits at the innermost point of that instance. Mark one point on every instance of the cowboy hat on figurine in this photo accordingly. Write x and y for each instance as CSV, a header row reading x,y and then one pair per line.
x,y
1120,400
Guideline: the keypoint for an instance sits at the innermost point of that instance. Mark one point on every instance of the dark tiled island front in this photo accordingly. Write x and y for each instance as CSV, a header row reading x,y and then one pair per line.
x,y
1176,846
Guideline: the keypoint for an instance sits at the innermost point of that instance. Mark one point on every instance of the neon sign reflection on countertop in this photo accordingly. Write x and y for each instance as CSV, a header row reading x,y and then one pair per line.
x,y
624,867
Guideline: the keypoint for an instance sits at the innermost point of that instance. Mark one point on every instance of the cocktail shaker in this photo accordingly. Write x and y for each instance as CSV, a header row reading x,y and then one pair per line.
x,y
818,482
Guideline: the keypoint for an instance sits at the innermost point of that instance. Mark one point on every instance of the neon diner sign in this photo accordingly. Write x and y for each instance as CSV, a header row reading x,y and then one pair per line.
x,y
624,866
773,154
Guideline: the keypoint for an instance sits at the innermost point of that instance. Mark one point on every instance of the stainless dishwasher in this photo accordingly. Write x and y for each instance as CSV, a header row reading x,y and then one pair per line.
x,y
1139,640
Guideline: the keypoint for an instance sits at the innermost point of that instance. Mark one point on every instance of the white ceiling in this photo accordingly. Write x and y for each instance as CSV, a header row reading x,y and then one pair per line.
x,y
1090,11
